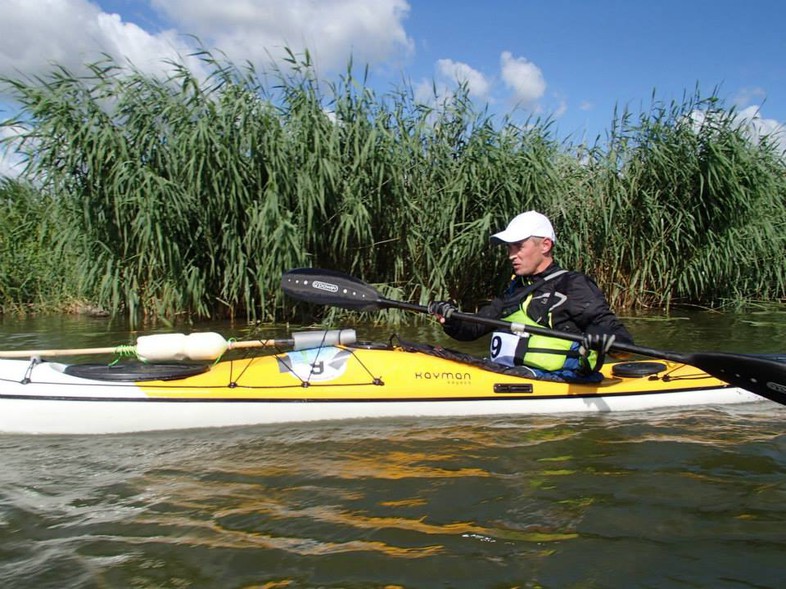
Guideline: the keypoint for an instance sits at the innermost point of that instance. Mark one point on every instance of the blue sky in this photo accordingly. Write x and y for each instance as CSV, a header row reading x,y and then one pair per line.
x,y
572,61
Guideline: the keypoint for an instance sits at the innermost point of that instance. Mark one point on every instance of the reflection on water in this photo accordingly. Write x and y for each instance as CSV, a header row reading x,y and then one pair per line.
x,y
660,499
693,497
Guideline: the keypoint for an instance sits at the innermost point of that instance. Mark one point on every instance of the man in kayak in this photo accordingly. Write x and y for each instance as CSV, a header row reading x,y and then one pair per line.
x,y
543,294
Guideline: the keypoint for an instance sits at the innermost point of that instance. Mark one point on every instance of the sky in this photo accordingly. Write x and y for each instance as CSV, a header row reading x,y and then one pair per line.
x,y
571,61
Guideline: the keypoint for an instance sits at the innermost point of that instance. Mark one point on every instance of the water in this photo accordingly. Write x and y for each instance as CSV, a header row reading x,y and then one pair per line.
x,y
678,498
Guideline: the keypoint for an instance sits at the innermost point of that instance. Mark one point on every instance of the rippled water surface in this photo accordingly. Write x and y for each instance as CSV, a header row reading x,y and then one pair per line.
x,y
679,498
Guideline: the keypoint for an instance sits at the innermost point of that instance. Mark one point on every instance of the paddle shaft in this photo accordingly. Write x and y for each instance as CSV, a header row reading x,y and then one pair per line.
x,y
125,350
57,352
533,329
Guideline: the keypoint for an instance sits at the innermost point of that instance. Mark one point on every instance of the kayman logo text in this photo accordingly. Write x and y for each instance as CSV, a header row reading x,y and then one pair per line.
x,y
324,286
451,376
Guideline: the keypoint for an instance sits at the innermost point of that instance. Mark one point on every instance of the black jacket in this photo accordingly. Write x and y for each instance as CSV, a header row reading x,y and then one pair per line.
x,y
576,303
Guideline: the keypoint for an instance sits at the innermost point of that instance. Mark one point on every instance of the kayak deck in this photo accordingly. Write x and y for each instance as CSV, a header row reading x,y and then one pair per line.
x,y
332,382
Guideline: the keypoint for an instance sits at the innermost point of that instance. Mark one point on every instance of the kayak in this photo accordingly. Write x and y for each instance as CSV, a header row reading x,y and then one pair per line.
x,y
319,382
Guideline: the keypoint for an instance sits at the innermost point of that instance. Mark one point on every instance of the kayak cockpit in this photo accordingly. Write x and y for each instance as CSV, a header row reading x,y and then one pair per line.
x,y
134,371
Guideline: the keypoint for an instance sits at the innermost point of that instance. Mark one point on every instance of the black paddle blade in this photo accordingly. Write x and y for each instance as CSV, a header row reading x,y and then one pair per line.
x,y
763,376
328,287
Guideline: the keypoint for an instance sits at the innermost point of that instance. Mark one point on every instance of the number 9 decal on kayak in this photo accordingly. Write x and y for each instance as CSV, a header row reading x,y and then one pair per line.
x,y
495,347
319,364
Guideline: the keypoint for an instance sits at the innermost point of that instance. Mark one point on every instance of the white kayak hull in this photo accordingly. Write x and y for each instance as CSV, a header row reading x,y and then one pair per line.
x,y
43,398
100,416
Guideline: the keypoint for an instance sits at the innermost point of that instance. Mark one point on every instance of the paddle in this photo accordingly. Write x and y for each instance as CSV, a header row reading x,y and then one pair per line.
x,y
761,376
195,346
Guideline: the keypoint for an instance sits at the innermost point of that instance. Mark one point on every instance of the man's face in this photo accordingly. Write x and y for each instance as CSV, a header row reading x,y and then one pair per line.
x,y
529,257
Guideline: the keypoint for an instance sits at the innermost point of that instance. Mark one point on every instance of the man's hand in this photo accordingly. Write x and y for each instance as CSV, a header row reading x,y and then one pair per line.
x,y
596,341
442,310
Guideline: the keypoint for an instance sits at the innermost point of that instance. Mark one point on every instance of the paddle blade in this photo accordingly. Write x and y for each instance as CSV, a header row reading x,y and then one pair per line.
x,y
328,287
759,375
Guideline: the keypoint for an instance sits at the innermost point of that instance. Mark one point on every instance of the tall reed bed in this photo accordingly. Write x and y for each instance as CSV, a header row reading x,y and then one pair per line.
x,y
687,209
184,197
30,277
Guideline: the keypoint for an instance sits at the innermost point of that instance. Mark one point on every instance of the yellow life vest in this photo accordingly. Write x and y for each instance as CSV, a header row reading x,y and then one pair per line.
x,y
532,350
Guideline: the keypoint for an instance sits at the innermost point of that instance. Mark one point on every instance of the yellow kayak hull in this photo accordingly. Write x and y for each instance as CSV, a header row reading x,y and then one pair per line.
x,y
329,383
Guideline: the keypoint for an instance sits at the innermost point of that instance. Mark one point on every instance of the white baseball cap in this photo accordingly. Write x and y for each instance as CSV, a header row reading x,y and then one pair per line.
x,y
529,224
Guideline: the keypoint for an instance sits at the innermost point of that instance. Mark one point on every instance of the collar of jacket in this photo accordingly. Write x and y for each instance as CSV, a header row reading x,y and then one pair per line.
x,y
553,267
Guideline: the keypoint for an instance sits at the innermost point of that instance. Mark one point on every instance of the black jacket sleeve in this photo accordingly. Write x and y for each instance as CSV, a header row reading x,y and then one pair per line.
x,y
589,310
465,331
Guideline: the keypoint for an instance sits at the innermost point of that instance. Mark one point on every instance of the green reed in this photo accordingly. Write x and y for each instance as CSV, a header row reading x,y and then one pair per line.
x,y
187,198
693,209
31,266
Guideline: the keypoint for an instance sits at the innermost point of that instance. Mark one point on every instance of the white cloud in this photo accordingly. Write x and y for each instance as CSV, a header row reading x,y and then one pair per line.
x,y
524,78
749,102
424,92
332,30
457,72
750,120
34,34
759,127
747,96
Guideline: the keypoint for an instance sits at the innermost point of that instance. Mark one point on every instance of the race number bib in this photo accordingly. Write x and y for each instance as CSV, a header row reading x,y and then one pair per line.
x,y
502,349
